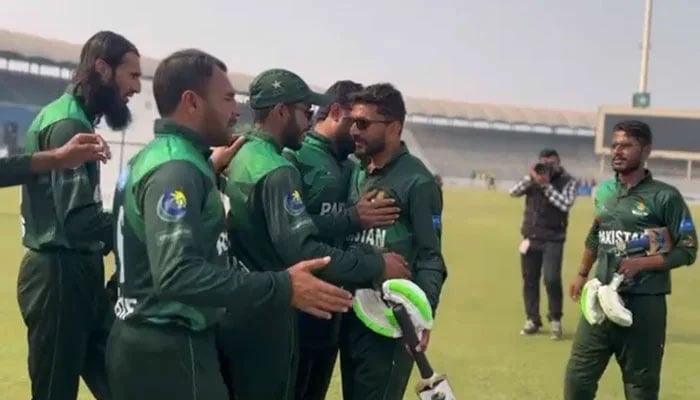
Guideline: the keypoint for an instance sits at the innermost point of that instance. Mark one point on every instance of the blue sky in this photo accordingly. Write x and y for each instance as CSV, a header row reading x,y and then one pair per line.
x,y
562,54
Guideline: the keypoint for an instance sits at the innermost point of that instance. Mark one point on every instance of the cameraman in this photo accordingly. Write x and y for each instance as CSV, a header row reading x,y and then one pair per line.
x,y
549,194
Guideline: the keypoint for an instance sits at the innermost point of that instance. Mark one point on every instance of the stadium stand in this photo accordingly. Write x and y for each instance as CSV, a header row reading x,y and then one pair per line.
x,y
462,141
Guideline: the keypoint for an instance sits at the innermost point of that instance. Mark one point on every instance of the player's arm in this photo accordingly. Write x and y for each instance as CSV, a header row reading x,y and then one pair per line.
x,y
17,170
522,187
76,192
590,250
682,231
179,269
295,236
425,212
563,199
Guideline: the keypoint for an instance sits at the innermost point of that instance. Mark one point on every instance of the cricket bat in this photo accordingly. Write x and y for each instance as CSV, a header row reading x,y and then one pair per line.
x,y
432,386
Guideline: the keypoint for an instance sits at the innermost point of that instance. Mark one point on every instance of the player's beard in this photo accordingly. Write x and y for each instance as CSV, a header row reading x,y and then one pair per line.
x,y
292,135
217,133
371,147
344,145
625,166
105,99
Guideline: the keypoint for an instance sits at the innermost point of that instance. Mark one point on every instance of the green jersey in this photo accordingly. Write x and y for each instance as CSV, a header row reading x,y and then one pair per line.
x,y
172,245
63,208
622,214
269,225
416,234
325,180
16,170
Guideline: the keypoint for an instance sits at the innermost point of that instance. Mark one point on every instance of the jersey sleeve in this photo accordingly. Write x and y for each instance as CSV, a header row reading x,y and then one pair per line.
x,y
425,209
681,228
76,192
295,236
592,238
178,265
15,170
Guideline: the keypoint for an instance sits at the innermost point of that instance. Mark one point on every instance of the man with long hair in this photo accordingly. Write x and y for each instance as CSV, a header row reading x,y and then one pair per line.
x,y
66,231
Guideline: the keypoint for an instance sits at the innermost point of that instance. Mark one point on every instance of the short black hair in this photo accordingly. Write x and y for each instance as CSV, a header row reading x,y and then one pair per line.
x,y
108,46
636,129
544,153
386,97
340,93
188,69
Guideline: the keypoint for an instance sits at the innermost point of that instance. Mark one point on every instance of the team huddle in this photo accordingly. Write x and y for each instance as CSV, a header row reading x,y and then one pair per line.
x,y
250,303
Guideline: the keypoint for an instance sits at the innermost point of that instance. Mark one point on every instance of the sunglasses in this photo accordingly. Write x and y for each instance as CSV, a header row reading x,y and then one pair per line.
x,y
364,123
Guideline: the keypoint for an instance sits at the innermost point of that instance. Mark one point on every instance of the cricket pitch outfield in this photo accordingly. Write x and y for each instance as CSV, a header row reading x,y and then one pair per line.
x,y
476,340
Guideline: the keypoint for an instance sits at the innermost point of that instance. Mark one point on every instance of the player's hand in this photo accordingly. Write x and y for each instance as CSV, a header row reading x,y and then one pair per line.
x,y
576,286
629,268
221,156
422,345
82,148
395,267
375,212
313,295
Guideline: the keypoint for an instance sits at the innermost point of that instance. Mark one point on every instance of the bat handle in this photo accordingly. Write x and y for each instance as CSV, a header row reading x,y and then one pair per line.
x,y
408,331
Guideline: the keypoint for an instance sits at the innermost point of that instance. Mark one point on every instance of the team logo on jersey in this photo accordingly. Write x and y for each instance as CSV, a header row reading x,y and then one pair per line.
x,y
172,206
640,209
686,226
293,203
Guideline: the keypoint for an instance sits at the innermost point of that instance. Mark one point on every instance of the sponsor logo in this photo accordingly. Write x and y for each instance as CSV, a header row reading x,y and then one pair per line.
x,y
172,206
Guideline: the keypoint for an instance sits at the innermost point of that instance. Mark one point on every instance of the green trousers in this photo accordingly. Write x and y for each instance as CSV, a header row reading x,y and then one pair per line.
x,y
259,354
373,367
64,306
318,352
147,361
638,350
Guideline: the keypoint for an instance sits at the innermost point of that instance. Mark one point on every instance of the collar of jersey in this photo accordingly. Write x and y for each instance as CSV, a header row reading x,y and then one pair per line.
x,y
403,150
74,91
259,133
316,139
623,190
165,126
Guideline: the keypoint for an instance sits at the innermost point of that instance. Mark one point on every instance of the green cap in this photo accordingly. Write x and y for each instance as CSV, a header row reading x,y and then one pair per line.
x,y
281,86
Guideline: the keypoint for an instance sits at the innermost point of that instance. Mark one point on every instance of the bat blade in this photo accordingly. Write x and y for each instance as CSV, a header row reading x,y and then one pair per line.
x,y
435,388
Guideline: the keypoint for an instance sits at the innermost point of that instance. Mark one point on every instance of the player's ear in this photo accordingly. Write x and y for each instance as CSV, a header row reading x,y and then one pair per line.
x,y
102,68
646,151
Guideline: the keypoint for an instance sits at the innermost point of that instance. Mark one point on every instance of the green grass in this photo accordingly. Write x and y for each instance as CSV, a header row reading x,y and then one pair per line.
x,y
476,339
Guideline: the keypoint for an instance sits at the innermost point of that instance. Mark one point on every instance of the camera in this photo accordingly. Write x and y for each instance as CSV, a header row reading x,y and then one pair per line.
x,y
543,168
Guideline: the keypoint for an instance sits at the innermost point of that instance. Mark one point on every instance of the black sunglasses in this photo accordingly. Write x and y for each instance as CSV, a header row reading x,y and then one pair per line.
x,y
364,123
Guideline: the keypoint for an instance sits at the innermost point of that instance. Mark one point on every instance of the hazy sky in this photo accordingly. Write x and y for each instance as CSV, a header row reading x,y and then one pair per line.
x,y
569,54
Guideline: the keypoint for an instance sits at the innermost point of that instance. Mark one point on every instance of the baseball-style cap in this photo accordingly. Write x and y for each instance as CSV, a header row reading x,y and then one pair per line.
x,y
281,86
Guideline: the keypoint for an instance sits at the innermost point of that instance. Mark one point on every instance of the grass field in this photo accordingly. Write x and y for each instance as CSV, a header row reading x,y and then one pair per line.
x,y
476,339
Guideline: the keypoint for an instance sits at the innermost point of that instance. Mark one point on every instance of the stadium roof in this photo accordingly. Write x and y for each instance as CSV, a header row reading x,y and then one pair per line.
x,y
55,52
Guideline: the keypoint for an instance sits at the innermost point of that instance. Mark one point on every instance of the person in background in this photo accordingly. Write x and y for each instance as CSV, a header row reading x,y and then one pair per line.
x,y
549,193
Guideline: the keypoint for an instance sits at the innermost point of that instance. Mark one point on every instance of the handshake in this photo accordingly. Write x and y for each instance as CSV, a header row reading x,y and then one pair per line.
x,y
599,301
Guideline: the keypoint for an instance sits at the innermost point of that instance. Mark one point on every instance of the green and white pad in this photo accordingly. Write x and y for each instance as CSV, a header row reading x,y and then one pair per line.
x,y
611,303
372,309
590,307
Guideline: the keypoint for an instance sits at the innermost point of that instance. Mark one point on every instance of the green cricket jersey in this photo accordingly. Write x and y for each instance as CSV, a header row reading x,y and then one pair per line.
x,y
269,225
623,213
16,170
325,187
63,208
416,234
172,245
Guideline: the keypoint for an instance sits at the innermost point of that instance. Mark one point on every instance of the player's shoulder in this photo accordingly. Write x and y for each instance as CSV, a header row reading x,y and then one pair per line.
x,y
665,191
418,170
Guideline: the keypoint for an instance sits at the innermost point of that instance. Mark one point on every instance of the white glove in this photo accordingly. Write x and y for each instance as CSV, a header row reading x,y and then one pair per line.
x,y
590,307
612,304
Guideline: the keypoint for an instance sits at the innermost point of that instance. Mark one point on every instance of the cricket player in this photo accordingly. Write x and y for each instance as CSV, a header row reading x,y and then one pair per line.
x,y
374,366
172,247
626,205
60,286
269,226
325,169
80,149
